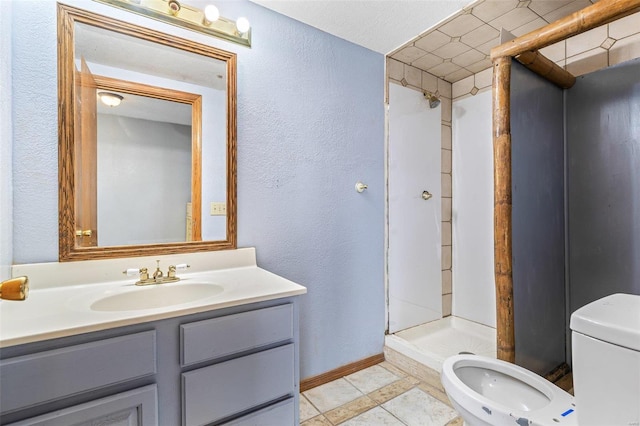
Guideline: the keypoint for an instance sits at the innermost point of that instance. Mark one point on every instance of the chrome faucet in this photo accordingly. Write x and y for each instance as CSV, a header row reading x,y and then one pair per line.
x,y
158,276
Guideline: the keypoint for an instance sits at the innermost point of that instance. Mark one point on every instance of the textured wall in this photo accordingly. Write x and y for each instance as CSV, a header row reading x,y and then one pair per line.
x,y
537,162
6,198
310,124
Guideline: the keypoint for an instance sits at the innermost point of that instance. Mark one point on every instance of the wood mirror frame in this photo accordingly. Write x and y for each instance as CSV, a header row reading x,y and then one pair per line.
x,y
67,191
525,50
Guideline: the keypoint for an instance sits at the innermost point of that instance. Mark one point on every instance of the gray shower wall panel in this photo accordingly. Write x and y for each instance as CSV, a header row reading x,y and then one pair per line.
x,y
603,179
537,134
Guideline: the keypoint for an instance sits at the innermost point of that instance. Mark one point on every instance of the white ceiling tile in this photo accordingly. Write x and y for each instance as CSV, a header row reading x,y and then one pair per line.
x,y
427,61
566,10
480,35
450,50
467,58
514,19
458,75
486,47
432,41
409,54
527,28
491,9
480,65
460,25
586,41
444,69
542,7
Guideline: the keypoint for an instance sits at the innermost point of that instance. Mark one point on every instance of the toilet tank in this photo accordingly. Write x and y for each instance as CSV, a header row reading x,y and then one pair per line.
x,y
605,341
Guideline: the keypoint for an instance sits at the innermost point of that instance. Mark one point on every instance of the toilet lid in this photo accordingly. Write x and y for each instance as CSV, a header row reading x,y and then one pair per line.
x,y
613,319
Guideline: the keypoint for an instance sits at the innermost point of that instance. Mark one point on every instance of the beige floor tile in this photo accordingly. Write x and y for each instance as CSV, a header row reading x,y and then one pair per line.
x,y
307,410
436,393
456,422
317,421
376,416
332,395
371,378
391,391
417,408
395,370
350,410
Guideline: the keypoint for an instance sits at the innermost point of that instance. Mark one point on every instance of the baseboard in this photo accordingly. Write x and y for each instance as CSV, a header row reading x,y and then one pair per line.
x,y
561,376
340,372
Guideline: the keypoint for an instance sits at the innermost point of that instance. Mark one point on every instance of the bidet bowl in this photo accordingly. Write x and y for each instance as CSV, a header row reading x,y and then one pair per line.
x,y
487,391
155,296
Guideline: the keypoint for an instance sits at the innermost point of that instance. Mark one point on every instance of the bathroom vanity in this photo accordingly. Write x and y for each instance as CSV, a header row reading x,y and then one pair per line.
x,y
230,358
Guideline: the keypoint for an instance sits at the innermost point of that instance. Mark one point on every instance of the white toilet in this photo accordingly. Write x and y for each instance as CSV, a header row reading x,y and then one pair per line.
x,y
606,374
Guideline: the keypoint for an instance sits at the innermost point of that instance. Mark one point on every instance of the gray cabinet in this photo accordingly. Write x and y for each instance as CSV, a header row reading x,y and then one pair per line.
x,y
234,366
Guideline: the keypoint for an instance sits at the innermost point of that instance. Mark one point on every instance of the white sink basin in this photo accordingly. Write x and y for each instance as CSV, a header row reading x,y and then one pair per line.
x,y
156,296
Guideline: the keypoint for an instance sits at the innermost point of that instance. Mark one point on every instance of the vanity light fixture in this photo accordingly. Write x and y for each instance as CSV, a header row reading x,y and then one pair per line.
x,y
207,21
110,99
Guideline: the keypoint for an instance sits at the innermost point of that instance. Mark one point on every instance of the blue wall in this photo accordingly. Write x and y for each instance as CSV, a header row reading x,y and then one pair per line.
x,y
310,124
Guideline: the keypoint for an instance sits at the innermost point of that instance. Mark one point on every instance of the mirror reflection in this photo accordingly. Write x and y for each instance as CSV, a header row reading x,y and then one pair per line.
x,y
153,140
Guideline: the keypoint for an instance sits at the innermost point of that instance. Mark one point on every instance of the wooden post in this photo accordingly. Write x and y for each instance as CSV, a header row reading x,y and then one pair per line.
x,y
502,207
601,13
546,68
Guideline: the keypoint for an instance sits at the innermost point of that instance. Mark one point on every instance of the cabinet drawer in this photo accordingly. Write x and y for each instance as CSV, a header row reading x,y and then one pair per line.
x,y
213,393
280,414
46,376
138,407
218,337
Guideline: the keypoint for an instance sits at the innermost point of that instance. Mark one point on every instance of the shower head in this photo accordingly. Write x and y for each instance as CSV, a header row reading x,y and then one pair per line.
x,y
434,101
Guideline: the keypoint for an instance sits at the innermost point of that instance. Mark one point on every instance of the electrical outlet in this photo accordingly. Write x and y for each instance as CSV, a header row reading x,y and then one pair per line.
x,y
218,209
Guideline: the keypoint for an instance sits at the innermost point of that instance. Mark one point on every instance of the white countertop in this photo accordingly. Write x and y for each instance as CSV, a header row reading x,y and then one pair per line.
x,y
59,311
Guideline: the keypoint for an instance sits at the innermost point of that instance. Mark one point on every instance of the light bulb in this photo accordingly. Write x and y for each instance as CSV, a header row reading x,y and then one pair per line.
x,y
242,24
211,13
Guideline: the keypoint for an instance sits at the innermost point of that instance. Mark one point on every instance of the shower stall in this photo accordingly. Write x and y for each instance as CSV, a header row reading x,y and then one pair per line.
x,y
418,326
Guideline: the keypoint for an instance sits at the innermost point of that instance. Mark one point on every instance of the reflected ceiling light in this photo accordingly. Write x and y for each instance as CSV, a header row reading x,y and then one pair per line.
x,y
110,99
207,21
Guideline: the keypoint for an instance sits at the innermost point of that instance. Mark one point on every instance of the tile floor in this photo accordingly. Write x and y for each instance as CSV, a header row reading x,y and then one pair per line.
x,y
379,395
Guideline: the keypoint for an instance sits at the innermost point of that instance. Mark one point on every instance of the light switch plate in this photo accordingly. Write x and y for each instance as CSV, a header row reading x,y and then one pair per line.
x,y
218,209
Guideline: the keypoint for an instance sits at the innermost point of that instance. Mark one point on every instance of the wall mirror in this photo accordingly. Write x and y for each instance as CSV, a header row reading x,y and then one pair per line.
x,y
147,141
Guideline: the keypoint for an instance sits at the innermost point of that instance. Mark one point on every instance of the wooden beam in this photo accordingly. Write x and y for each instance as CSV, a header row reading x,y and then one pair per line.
x,y
502,207
583,20
546,68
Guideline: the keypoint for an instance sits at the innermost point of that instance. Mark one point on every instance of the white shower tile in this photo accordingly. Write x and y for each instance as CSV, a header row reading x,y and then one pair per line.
x,y
417,408
371,378
395,69
625,27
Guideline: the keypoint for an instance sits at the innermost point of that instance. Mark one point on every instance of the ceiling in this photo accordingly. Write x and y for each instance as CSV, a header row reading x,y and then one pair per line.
x,y
379,25
450,39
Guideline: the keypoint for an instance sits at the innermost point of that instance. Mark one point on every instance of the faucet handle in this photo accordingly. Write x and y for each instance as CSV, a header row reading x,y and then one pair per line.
x,y
133,272
182,267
